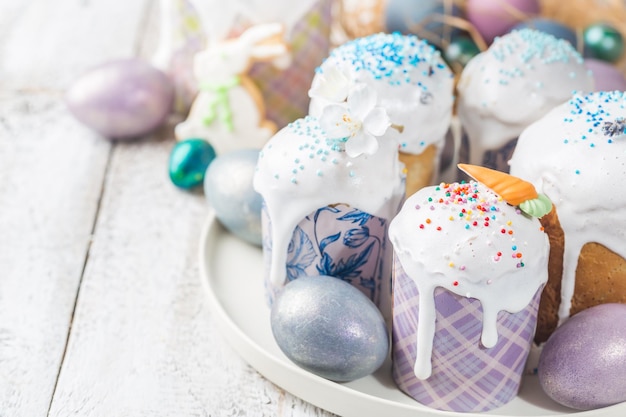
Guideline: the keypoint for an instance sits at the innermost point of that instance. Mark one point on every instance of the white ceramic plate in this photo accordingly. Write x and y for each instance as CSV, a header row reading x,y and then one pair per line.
x,y
231,271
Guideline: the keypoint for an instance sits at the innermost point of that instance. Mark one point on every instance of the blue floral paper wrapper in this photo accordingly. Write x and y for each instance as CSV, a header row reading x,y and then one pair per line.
x,y
342,242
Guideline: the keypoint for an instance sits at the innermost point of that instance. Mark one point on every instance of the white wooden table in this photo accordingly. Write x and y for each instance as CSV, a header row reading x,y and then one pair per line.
x,y
102,312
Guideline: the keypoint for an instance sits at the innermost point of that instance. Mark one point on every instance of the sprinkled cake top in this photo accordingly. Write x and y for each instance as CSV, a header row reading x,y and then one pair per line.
x,y
522,75
576,155
413,84
466,239
468,233
301,170
394,59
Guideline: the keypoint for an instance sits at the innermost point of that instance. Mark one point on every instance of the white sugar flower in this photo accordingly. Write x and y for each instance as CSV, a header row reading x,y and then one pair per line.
x,y
332,85
360,121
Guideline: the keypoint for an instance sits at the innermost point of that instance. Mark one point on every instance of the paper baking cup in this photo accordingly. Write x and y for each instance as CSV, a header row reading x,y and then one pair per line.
x,y
338,241
466,377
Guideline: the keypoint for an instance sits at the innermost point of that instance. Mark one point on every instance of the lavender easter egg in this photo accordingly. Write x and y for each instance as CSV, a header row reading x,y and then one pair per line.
x,y
121,99
606,77
583,363
329,328
493,18
228,190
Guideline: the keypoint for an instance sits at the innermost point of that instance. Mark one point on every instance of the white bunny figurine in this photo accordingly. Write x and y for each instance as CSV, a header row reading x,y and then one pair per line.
x,y
229,111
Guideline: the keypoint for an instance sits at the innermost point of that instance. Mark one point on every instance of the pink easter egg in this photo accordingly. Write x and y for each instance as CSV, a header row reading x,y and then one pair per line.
x,y
493,18
606,77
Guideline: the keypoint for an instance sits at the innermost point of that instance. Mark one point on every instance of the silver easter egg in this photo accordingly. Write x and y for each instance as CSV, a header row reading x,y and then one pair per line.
x,y
583,363
329,328
121,99
228,189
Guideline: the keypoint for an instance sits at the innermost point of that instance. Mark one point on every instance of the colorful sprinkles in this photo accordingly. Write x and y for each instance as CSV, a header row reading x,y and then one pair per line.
x,y
476,207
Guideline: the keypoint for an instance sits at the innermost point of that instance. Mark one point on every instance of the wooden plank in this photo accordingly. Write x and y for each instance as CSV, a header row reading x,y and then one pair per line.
x,y
52,172
54,41
142,341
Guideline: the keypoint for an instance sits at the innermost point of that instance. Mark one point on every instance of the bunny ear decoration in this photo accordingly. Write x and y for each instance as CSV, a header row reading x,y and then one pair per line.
x,y
513,190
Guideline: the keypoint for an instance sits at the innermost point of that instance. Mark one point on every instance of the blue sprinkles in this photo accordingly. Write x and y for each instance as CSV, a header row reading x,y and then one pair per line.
x,y
393,57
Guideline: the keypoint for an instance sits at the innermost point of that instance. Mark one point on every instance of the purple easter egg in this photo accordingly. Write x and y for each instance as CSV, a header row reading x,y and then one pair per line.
x,y
121,99
583,363
606,77
493,18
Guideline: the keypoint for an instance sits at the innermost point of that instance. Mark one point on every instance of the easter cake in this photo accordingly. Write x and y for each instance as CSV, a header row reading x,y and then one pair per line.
x,y
501,91
469,270
327,203
576,156
412,83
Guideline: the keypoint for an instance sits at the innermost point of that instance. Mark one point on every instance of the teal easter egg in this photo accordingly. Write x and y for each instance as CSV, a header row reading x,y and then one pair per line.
x,y
460,50
229,191
603,42
188,162
424,18
329,328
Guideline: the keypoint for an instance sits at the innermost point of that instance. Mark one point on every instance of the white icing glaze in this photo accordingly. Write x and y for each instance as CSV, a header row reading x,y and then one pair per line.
x,y
299,171
567,156
522,76
464,238
413,84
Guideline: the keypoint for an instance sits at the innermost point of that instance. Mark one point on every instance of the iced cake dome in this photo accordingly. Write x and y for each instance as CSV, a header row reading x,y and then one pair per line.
x,y
332,207
501,91
576,155
469,269
413,84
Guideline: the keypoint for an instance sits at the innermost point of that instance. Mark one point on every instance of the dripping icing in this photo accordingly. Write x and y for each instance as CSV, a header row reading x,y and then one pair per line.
x,y
451,236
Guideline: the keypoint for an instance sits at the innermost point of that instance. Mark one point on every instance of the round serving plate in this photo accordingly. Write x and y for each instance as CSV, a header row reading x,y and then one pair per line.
x,y
232,273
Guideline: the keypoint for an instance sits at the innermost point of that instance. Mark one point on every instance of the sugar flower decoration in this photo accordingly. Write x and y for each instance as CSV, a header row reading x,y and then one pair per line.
x,y
332,85
616,127
359,122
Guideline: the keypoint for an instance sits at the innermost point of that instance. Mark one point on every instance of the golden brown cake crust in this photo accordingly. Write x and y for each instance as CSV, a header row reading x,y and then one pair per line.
x,y
600,278
548,315
420,169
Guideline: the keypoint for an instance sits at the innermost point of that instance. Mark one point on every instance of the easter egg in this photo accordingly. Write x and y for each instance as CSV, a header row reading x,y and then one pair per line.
x,y
493,18
554,28
603,42
228,189
330,328
606,76
188,162
121,99
424,18
460,50
583,363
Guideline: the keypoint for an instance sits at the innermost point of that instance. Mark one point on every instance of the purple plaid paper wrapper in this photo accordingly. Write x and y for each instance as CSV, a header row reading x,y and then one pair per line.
x,y
466,377
342,242
286,91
